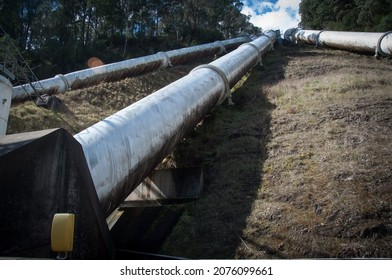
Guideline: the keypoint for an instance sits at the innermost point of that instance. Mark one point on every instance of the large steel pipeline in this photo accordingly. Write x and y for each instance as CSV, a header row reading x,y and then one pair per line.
x,y
5,104
124,148
87,77
367,42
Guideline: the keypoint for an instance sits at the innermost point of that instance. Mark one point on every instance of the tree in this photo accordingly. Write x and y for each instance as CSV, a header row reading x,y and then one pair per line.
x,y
59,35
354,15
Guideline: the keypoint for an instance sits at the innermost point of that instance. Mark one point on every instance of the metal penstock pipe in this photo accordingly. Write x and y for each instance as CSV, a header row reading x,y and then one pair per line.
x,y
124,148
116,71
367,42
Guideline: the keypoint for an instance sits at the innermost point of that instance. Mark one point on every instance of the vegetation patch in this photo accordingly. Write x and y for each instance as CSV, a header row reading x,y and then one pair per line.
x,y
84,107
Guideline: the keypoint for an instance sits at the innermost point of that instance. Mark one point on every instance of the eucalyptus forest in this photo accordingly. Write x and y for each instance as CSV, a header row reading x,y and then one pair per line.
x,y
58,36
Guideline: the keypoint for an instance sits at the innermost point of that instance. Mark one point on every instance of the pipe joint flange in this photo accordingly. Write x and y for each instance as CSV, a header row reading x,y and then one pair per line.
x,y
317,39
221,46
166,60
256,48
223,77
379,50
269,37
65,81
265,35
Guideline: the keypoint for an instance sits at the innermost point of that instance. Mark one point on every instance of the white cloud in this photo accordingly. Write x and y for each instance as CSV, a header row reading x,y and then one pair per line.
x,y
284,14
262,6
294,4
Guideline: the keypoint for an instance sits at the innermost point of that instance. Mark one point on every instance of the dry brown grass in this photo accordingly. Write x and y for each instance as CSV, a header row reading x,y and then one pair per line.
x,y
320,185
83,107
329,162
299,167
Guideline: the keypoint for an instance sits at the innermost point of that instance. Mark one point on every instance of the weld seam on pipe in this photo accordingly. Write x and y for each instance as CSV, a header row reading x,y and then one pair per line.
x,y
222,47
222,75
269,37
317,39
166,60
256,48
378,48
65,81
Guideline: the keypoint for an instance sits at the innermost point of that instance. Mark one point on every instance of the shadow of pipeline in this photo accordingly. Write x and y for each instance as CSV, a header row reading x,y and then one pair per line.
x,y
31,162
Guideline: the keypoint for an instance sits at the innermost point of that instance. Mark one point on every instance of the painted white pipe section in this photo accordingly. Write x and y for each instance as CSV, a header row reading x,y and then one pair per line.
x,y
87,77
369,42
124,148
5,103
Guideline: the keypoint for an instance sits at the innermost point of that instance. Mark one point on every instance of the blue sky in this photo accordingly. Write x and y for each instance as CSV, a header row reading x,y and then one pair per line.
x,y
273,14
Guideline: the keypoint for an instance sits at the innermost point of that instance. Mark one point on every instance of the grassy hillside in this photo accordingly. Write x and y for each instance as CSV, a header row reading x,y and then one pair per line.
x,y
82,108
299,167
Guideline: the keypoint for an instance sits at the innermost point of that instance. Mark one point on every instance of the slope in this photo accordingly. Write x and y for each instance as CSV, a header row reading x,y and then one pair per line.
x,y
82,108
300,167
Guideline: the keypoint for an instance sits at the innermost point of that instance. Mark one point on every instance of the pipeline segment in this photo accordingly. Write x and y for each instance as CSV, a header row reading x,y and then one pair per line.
x,y
124,148
87,77
5,103
368,42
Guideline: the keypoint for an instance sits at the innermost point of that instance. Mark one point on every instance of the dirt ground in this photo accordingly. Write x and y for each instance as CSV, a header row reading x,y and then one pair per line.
x,y
299,167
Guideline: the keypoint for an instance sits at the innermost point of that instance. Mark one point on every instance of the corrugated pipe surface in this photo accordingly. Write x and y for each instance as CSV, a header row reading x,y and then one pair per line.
x,y
116,71
125,147
368,42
